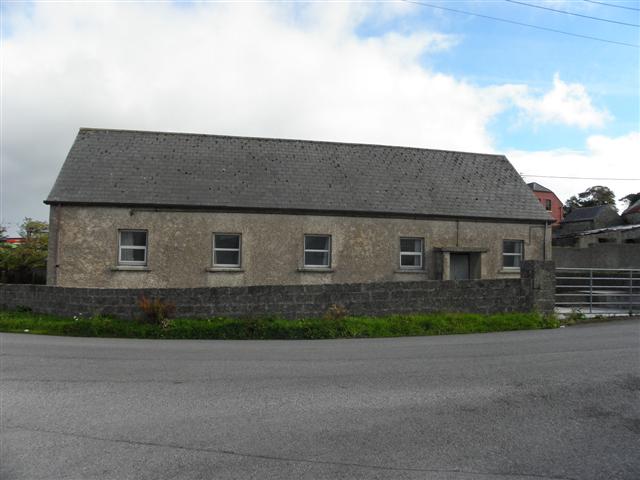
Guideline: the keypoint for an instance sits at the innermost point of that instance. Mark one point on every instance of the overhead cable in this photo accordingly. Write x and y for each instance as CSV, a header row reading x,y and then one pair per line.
x,y
582,178
572,13
613,5
498,19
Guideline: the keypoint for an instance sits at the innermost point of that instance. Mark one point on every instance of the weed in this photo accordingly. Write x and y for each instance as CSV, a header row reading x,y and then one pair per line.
x,y
335,312
156,311
574,317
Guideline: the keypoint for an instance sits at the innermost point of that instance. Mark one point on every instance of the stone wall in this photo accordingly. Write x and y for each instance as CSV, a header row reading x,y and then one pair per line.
x,y
533,291
539,279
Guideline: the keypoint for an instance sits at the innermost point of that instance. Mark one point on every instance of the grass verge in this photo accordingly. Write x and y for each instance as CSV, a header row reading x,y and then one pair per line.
x,y
275,328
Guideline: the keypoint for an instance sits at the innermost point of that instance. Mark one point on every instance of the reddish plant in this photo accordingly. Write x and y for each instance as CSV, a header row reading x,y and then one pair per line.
x,y
156,310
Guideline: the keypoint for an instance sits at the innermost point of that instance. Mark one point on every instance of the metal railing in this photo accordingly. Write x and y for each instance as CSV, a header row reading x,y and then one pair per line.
x,y
598,290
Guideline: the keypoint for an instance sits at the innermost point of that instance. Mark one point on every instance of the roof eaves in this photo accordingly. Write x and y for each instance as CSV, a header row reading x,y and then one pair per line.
x,y
292,211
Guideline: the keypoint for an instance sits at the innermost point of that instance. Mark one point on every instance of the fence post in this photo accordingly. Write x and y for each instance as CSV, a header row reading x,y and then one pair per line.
x,y
591,290
630,292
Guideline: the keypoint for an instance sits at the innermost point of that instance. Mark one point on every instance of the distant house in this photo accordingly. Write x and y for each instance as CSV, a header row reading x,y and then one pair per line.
x,y
581,220
549,200
13,240
134,209
632,214
616,234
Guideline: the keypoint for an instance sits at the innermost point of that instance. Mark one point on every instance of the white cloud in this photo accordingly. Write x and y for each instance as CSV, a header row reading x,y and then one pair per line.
x,y
240,69
567,104
249,69
603,157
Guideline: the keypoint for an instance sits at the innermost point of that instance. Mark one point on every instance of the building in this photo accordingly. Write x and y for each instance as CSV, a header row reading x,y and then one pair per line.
x,y
151,209
597,237
632,214
616,234
584,219
13,240
549,200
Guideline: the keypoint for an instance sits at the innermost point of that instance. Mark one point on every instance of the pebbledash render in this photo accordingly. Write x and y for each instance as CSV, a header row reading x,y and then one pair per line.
x,y
152,209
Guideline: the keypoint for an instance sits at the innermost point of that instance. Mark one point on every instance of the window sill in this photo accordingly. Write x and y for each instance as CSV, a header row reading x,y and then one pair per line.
x,y
509,270
462,249
130,268
407,270
315,270
224,270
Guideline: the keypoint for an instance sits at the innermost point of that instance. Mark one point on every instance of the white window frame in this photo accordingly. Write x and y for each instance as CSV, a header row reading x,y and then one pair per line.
x,y
133,247
507,254
311,250
239,250
412,254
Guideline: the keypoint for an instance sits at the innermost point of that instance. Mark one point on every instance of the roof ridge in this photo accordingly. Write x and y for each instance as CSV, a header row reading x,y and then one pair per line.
x,y
275,139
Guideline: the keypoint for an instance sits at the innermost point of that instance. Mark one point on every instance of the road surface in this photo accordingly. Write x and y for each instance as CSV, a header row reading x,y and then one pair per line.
x,y
553,404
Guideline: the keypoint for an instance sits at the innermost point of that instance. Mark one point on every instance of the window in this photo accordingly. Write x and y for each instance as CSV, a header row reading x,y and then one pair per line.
x,y
317,251
547,204
132,247
411,253
512,253
226,250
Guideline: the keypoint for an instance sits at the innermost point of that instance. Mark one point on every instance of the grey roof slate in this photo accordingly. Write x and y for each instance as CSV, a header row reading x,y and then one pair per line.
x,y
135,168
536,187
633,208
584,214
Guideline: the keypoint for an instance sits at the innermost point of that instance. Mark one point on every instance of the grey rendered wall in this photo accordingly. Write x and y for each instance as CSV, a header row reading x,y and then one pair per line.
x,y
180,247
534,291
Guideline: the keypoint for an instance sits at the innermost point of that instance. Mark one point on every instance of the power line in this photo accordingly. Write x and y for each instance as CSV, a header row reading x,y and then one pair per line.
x,y
581,178
521,23
572,13
612,5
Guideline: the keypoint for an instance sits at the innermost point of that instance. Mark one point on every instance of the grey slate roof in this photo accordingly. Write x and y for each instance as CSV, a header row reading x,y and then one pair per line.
x,y
136,168
584,214
633,208
536,187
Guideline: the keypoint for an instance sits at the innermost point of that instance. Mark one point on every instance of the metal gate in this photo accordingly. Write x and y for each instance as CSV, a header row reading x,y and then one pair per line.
x,y
598,290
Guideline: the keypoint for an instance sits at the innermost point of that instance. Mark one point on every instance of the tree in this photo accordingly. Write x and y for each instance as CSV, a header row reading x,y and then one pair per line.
x,y
20,262
32,229
631,198
591,197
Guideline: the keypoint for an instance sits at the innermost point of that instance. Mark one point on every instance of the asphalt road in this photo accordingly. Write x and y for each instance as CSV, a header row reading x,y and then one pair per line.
x,y
555,404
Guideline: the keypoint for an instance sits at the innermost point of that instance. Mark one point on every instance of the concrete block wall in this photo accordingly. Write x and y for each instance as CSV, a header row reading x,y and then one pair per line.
x,y
602,255
534,291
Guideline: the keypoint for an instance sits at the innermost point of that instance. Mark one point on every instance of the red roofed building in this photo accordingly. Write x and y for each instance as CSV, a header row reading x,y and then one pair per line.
x,y
549,201
13,240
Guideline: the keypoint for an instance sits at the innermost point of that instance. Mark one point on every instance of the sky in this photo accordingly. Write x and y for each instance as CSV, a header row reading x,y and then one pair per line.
x,y
395,73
